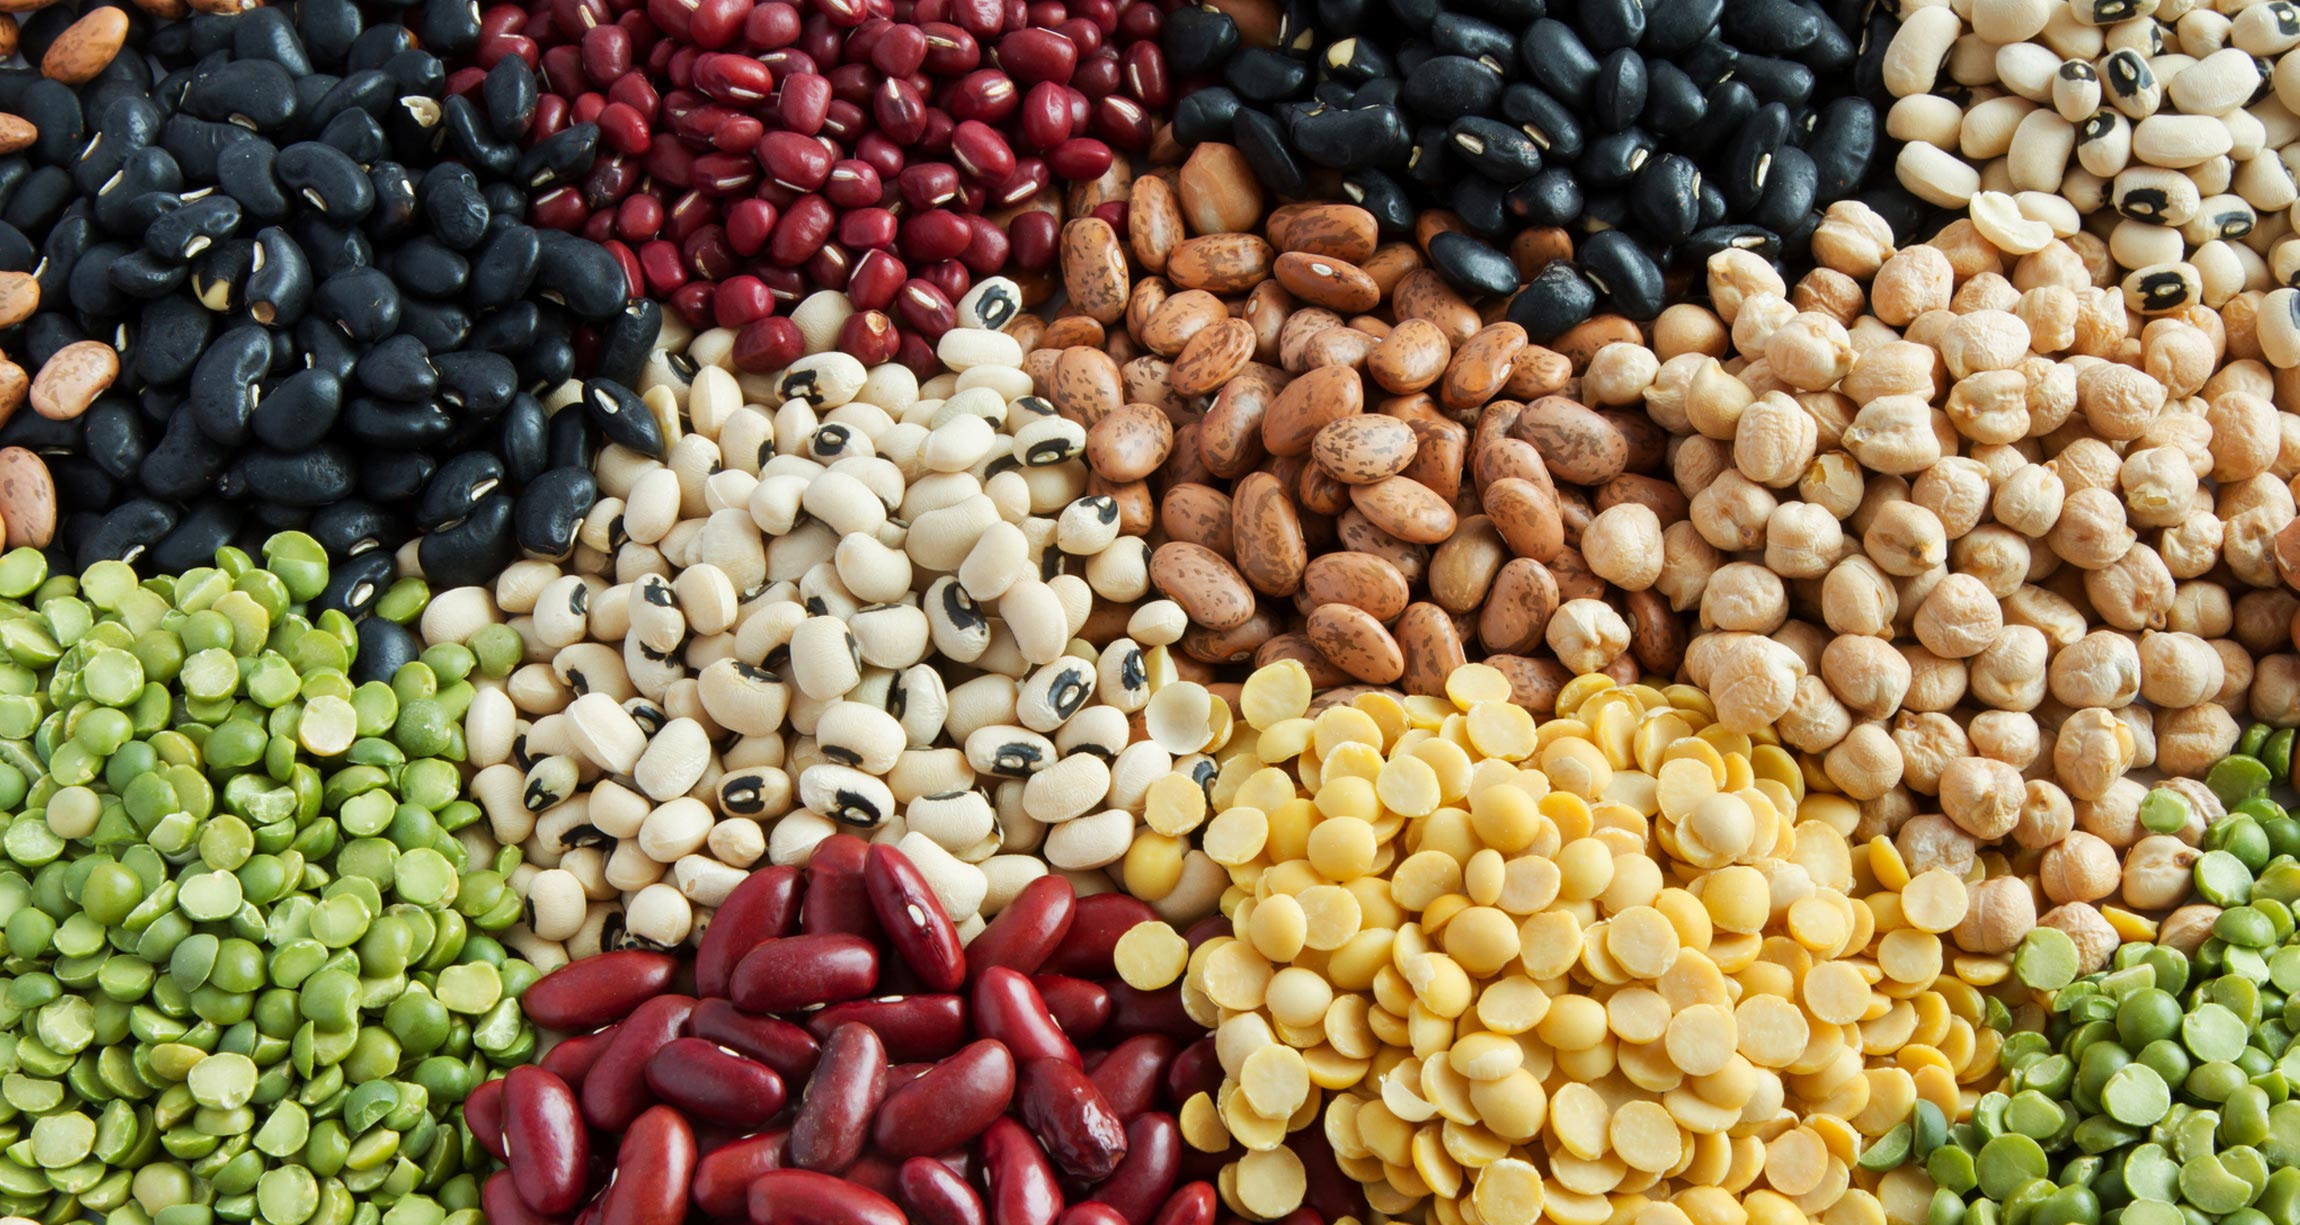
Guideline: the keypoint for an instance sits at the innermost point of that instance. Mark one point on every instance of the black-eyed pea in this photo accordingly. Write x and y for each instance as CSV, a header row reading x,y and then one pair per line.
x,y
1036,616
1066,789
1088,842
1050,695
1121,572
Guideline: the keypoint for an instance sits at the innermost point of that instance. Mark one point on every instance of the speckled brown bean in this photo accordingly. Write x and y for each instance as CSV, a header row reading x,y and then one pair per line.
x,y
1355,531
1360,580
1462,569
1319,493
1337,231
1150,380
15,388
1363,449
1480,368
73,377
1656,635
1342,346
1535,249
1074,331
1027,327
1230,435
1137,513
1298,647
1094,268
1129,443
1153,222
1178,319
1527,516
1324,281
1203,582
1441,451
1236,644
1266,309
1086,386
1648,443
1270,549
1211,357
1575,580
1578,445
1185,463
1299,329
1199,514
27,499
1423,294
1537,372
1219,263
19,292
1218,189
1533,683
1390,263
1517,611
1663,498
1316,398
1508,457
1142,305
86,47
1411,358
1431,646
1356,643
1582,341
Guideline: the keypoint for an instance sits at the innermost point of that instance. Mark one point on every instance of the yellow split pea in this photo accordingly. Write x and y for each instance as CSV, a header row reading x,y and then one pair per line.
x,y
1615,967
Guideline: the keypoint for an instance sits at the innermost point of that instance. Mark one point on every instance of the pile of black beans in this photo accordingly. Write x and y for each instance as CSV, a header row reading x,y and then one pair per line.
x,y
330,311
1657,131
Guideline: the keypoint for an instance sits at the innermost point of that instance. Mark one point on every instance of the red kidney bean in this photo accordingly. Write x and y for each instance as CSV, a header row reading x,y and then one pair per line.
x,y
499,1200
790,1050
766,904
948,1106
653,1170
1090,1214
1023,1188
1027,931
714,1084
1192,1204
1094,931
544,1141
1069,1116
570,1059
589,993
913,1027
908,912
803,1197
616,1091
1145,1178
1197,1069
837,900
1081,1008
834,1116
1007,1007
724,1176
1128,1074
933,1194
483,1113
1135,1011
794,972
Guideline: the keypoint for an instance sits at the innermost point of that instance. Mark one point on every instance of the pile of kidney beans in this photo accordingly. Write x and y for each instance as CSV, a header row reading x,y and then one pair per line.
x,y
842,1058
756,149
1685,125
332,312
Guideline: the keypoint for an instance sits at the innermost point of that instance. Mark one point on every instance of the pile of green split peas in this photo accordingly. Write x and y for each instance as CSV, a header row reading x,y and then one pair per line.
x,y
2256,847
246,969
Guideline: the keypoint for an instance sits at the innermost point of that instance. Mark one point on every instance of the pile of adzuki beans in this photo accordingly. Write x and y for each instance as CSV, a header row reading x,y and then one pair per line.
x,y
1015,1081
896,149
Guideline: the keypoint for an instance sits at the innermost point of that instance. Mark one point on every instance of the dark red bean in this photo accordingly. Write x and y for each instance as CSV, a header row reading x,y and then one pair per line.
x,y
590,993
933,1194
907,909
1031,176
769,344
795,972
544,1141
1083,34
790,1050
867,228
570,1059
1134,1011
830,266
561,208
1038,55
740,299
1128,1075
1097,75
876,1171
1028,930
1079,158
499,1199
1071,1119
802,230
693,302
845,121
834,1117
715,1085
1090,1214
771,27
1197,1069
724,1176
987,94
899,110
1097,924
884,155
900,52
483,1113
1192,1204
1144,1180
949,1105
749,224
950,51
605,54
1142,68
653,1170
1007,1007
801,163
1046,115
925,308
981,18
803,1197
837,900
615,1090
980,151
1023,1187
718,23
935,234
877,276
766,904
870,338
1080,1007
927,185
1140,21
986,253
1122,121
854,184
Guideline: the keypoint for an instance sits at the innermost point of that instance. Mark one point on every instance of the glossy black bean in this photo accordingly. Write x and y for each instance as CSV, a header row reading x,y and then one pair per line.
x,y
89,288
39,196
329,247
299,411
1771,27
113,437
69,238
1494,149
1613,160
371,93
1471,265
46,333
1273,159
139,274
1355,61
1869,64
384,648
378,45
325,347
1790,185
506,201
453,206
397,214
353,586
580,275
356,135
1473,38
126,532
1508,12
1776,80
1694,253
1198,39
506,266
1265,75
443,327
1624,271
563,157
622,416
1373,137
281,285
310,91
1727,107
327,28
1666,197
467,138
361,301
1340,18
1617,97
1609,25
222,393
327,179
1416,15
628,339
314,476
451,28
220,274
125,125
523,439
183,462
145,185
1388,91
1709,61
510,95
1430,161
1843,146
510,330
245,174
1749,156
1713,208
189,230
1553,299
392,477
252,93
270,34
478,383
1673,103
1378,193
1451,86
427,266
1551,123
474,551
54,112
1555,58
198,144
351,526
1551,198
169,336
206,526
397,368
455,490
1672,27
1482,204
395,425
1204,114
1832,53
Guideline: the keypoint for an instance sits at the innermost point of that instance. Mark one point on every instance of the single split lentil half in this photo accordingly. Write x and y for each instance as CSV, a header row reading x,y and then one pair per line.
x,y
252,972
1618,963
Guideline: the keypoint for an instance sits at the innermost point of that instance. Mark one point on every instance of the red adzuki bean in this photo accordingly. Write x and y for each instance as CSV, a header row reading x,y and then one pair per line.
x,y
949,1105
544,1140
589,993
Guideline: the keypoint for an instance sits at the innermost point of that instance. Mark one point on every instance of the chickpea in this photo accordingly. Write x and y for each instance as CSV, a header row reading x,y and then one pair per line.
x,y
1696,461
1753,681
1623,545
1995,555
1894,434
2087,463
2141,722
2204,807
1928,741
1833,482
2057,264
1933,841
1959,618
2118,401
2050,313
2177,354
2100,669
1982,796
2191,547
2030,501
1934,683
2204,609
1688,327
2009,736
1619,374
2157,483
2091,750
1852,239
1687,562
1985,340
1986,291
2051,393
2191,739
1866,674
2185,930
2184,429
1809,352
1910,282
2134,592
2048,612
2236,666
1714,399
2159,871
1858,597
1990,406
1731,512
2080,868
2046,816
1587,635
1865,764
1736,275
2095,938
1905,539
2114,815
1999,913
1760,316
1816,720
2177,670
1744,596
1895,368
2011,673
1831,293
1774,441
2091,531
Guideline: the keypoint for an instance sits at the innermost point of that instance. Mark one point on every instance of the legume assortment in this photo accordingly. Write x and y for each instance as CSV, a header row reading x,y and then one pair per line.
x,y
332,312
251,965
1456,953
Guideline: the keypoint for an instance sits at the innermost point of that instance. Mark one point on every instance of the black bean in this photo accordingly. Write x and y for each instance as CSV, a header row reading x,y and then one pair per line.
x,y
1198,39
551,510
442,326
1264,74
1830,54
197,144
573,440
371,93
1373,137
511,330
1430,162
1712,204
378,45
1495,149
1551,198
395,476
1482,205
581,274
315,476
467,138
270,34
90,288
1450,87
189,230
168,339
1553,299
246,173
1776,80
1709,61
126,532
205,527
114,437
68,239
37,196
1613,160
298,412
523,439
1727,107
183,463
456,489
327,178
1789,191
1624,271
1473,38
1666,197
563,157
131,198
325,348
1771,27
356,135
353,586
427,266
1339,17
1267,150
1695,252
138,274
627,340
1379,194
1609,25
1356,61
1843,145
252,93
1204,114
1749,156
474,551
453,206
1673,103
1472,266
1556,59
1618,95
54,112
397,368
350,526
1551,123
622,417
223,388
480,384
384,648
